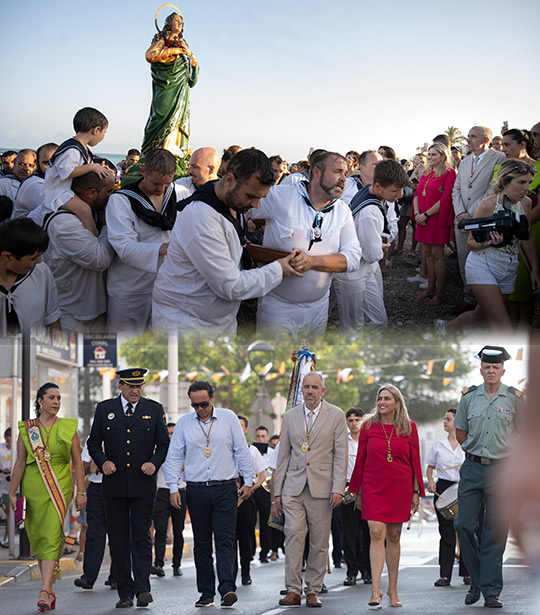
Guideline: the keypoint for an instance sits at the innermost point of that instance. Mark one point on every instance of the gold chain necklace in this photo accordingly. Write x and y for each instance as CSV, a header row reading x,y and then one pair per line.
x,y
389,457
428,179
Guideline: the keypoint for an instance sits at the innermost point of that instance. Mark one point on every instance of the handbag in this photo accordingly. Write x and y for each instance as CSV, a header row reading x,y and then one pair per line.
x,y
20,511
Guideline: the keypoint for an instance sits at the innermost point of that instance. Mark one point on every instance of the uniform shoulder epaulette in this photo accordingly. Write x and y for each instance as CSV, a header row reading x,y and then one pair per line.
x,y
516,392
468,390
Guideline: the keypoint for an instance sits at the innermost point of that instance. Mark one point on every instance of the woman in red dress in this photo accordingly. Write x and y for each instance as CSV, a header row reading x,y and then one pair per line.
x,y
434,217
388,474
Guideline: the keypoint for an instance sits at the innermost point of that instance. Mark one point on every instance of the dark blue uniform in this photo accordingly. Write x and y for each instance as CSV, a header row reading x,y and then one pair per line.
x,y
129,494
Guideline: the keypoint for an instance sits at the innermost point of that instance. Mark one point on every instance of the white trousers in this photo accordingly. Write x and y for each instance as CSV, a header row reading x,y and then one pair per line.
x,y
130,314
276,317
360,300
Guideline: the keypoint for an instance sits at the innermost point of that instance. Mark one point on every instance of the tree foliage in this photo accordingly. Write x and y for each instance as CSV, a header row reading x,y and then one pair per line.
x,y
456,136
405,364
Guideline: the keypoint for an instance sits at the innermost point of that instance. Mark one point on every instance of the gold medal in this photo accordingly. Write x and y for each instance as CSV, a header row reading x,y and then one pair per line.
x,y
47,456
389,458
207,451
305,447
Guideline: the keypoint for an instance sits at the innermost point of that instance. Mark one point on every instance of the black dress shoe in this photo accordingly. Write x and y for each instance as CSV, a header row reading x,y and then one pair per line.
x,y
473,596
144,599
264,560
124,603
246,580
442,582
83,583
350,580
177,572
157,570
337,565
324,589
367,579
466,580
493,602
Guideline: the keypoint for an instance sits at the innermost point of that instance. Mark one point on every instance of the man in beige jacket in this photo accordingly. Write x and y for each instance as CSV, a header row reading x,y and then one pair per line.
x,y
310,481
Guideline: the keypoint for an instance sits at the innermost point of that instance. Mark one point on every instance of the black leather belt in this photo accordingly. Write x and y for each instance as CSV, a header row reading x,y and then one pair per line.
x,y
485,461
211,483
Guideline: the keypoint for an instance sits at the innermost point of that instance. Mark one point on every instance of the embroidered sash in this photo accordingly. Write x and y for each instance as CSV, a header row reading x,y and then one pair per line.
x,y
47,474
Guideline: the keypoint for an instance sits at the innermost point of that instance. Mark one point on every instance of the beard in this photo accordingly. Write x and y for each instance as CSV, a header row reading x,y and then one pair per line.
x,y
234,202
334,191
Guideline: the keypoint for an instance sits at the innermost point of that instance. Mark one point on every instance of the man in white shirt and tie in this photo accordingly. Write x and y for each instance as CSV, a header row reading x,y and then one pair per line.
x,y
472,182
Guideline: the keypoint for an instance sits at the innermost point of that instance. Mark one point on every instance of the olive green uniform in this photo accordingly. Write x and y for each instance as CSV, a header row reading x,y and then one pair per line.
x,y
490,424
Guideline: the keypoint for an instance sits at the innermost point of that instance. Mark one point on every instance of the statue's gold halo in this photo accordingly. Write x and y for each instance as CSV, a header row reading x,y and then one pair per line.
x,y
162,6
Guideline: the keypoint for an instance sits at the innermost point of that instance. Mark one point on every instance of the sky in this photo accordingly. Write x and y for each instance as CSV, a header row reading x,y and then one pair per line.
x,y
281,76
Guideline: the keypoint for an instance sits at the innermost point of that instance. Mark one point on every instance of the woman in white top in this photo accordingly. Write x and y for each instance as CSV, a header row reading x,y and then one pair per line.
x,y
446,458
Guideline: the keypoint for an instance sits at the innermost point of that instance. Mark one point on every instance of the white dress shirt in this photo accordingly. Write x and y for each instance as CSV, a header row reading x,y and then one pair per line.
x,y
9,187
28,196
56,189
351,459
443,457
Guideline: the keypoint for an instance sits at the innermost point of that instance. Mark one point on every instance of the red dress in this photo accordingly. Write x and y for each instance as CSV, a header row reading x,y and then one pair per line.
x,y
387,488
437,230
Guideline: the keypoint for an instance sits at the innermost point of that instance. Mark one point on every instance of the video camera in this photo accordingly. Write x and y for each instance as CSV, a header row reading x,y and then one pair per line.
x,y
506,222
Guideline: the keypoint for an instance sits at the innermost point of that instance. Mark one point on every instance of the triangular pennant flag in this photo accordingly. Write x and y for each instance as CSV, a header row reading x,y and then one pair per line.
x,y
519,355
245,374
371,379
192,375
281,369
447,381
227,372
449,365
429,368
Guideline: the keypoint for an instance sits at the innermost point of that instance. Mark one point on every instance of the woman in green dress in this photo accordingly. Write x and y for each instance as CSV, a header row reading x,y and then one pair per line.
x,y
174,71
45,448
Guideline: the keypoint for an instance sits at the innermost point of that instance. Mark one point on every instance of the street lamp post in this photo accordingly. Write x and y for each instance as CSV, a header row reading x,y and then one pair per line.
x,y
260,358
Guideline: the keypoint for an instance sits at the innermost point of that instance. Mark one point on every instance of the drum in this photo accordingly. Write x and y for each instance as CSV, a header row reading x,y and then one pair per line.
x,y
447,504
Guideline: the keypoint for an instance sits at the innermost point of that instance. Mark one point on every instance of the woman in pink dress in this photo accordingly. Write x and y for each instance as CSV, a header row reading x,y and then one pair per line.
x,y
389,475
434,217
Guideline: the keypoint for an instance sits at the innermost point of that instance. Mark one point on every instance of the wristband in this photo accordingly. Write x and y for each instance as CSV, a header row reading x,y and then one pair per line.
x,y
426,214
81,493
417,492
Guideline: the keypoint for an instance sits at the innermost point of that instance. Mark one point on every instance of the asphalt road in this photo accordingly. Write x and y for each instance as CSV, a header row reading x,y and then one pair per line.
x,y
418,571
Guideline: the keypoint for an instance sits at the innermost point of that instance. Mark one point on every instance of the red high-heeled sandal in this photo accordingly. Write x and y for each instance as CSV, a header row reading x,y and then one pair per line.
x,y
45,605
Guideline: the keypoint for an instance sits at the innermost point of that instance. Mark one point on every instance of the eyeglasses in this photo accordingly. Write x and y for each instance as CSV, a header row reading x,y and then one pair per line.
x,y
202,404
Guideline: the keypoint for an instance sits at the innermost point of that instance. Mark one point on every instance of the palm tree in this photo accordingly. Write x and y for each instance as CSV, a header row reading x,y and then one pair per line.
x,y
456,136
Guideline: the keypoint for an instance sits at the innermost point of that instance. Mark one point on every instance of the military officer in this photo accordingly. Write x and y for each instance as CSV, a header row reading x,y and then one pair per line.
x,y
133,431
485,422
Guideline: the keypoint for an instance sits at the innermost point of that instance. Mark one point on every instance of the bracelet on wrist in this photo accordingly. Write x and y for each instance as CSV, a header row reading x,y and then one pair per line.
x,y
426,214
417,492
81,493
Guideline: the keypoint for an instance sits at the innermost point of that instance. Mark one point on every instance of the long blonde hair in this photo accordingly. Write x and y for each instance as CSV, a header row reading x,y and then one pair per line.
x,y
445,163
402,422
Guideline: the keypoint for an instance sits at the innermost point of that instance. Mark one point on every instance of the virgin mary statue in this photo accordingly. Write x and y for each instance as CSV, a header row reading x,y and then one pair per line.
x,y
174,71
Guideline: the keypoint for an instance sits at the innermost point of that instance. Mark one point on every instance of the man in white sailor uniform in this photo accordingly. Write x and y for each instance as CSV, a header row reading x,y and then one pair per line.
x,y
309,218
140,217
206,274
360,293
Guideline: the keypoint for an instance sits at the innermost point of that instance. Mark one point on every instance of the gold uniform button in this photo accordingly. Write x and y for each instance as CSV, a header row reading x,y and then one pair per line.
x,y
128,430
128,453
128,441
127,464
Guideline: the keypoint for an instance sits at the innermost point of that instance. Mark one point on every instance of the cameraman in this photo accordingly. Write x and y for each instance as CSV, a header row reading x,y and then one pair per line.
x,y
491,266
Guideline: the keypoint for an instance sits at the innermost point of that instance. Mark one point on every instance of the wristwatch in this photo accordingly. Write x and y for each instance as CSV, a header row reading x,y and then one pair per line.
x,y
417,492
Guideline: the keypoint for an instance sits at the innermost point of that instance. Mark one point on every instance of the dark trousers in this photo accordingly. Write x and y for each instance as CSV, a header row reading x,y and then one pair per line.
x,y
447,542
261,497
162,511
128,525
213,512
245,535
337,535
356,541
96,534
477,486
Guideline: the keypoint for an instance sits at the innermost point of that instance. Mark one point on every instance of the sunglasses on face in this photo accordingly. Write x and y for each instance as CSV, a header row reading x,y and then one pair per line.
x,y
202,404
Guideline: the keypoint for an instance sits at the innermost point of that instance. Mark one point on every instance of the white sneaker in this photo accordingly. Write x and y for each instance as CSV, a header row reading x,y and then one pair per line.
x,y
422,286
440,326
416,279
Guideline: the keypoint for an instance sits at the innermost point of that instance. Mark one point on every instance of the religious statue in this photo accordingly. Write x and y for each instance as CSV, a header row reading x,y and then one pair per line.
x,y
174,71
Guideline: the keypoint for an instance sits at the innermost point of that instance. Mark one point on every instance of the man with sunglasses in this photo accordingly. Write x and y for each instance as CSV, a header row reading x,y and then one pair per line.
x,y
210,446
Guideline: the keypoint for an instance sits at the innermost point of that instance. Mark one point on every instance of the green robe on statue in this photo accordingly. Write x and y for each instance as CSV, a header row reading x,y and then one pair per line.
x,y
169,112
42,523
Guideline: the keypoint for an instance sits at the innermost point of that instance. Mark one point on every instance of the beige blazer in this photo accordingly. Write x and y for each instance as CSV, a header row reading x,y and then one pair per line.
x,y
324,465
466,199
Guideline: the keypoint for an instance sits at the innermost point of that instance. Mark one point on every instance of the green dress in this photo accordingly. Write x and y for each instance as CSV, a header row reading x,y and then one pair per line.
x,y
42,522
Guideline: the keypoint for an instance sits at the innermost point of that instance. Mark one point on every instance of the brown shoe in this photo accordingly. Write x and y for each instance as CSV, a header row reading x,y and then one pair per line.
x,y
463,307
313,600
291,599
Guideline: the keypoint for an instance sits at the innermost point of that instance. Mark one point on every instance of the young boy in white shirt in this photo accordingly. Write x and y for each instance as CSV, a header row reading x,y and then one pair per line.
x,y
73,159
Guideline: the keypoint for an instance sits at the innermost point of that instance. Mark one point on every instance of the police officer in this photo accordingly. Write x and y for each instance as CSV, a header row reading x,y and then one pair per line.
x,y
485,422
133,431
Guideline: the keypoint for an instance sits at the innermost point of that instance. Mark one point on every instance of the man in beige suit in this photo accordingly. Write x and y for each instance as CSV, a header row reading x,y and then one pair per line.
x,y
309,482
472,182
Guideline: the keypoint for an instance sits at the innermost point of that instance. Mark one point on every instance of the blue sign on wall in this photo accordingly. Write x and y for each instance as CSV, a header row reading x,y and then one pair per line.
x,y
100,351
